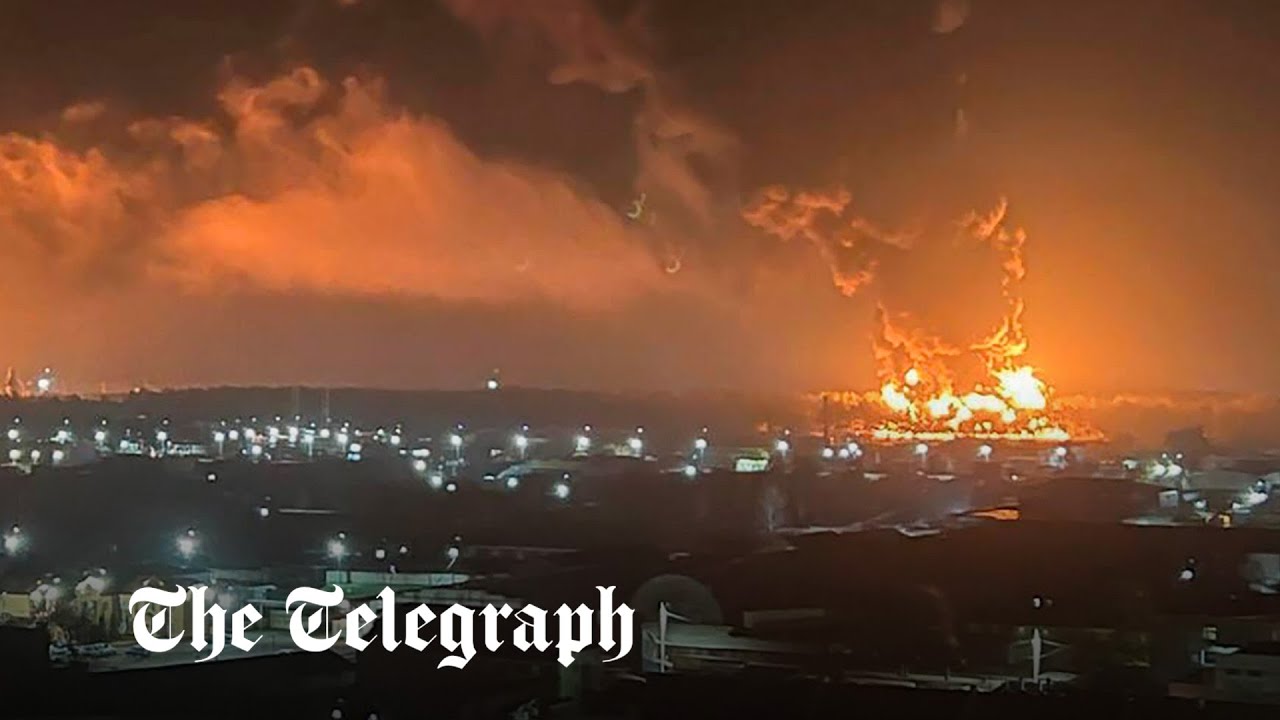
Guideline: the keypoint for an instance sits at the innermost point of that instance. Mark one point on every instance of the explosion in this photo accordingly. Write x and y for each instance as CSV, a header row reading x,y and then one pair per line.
x,y
920,395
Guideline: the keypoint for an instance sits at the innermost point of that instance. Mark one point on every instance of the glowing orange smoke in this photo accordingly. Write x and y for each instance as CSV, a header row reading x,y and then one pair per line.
x,y
920,397
918,390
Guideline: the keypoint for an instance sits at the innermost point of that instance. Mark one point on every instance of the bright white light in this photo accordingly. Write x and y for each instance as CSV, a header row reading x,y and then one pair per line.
x,y
264,511
341,438
455,440
582,443
273,433
420,453
188,544
783,446
15,455
1060,451
61,436
380,554
690,471
435,481
854,450
292,431
255,450
420,465
1174,470
250,434
325,433
337,549
1187,575
234,435
14,541
922,449
984,451
211,477
560,490
828,453
521,441
395,440
513,482
636,444
700,444
162,436
35,456
491,384
844,453
355,448
100,436
58,456
451,487
13,433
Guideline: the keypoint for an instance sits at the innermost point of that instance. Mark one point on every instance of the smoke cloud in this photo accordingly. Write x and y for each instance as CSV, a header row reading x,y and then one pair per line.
x,y
302,184
672,140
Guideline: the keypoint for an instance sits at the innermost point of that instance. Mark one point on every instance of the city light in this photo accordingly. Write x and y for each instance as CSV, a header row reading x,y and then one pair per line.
x,y
828,453
636,444
560,490
582,443
783,446
420,465
58,456
521,442
61,436
513,482
455,440
700,444
984,452
690,471
14,541
13,434
100,436
337,549
436,481
188,543
162,436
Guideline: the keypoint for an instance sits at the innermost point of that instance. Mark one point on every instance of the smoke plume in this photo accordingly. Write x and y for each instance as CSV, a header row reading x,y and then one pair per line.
x,y
671,138
303,184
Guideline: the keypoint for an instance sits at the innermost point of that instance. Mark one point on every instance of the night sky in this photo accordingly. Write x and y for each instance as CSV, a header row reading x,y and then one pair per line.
x,y
409,194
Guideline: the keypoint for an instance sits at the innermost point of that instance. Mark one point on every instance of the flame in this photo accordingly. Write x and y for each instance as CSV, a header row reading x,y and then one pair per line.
x,y
918,389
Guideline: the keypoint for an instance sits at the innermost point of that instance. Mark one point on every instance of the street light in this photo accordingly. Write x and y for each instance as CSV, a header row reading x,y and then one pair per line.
x,y
560,490
700,444
188,543
522,443
783,447
582,443
337,549
14,541
636,445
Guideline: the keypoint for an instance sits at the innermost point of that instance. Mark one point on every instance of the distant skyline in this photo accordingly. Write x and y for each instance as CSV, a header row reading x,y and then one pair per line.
x,y
410,194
